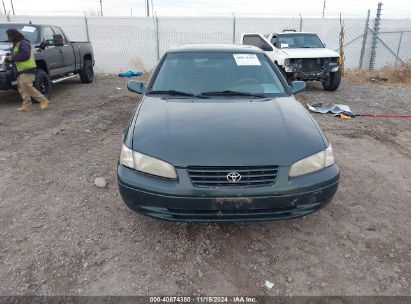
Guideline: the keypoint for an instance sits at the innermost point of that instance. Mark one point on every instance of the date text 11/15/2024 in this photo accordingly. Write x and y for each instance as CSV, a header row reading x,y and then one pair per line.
x,y
203,299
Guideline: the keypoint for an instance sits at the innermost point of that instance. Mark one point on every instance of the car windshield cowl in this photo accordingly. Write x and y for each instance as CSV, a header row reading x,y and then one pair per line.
x,y
233,93
177,93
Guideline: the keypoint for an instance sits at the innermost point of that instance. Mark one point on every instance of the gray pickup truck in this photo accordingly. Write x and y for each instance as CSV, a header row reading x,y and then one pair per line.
x,y
56,56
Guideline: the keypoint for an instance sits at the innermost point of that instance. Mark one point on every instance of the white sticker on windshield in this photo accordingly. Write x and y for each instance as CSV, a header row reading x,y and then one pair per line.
x,y
28,29
246,59
284,45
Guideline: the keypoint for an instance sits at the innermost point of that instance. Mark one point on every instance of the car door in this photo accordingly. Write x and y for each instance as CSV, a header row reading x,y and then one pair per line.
x,y
51,53
261,42
67,53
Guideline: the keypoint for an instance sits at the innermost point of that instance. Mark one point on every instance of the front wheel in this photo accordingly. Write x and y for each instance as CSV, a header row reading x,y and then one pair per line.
x,y
42,83
333,81
87,72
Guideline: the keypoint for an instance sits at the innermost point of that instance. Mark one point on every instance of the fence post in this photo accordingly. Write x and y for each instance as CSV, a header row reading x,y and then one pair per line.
x,y
398,50
234,25
364,40
341,41
301,22
86,23
157,39
375,37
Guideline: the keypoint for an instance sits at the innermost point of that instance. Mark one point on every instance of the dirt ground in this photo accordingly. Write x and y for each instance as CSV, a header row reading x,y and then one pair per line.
x,y
62,235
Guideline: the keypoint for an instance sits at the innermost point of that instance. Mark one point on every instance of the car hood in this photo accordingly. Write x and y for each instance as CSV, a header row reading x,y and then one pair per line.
x,y
226,132
4,47
310,53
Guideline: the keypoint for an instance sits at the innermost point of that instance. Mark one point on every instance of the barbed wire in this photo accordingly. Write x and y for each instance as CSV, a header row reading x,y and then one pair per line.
x,y
307,13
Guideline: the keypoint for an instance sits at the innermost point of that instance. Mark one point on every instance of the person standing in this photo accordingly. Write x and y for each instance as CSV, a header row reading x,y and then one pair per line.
x,y
22,56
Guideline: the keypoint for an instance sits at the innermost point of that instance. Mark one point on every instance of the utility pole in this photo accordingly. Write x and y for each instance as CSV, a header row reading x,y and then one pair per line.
x,y
148,8
101,8
324,7
12,7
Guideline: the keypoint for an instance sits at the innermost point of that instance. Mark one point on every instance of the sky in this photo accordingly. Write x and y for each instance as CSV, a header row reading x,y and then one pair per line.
x,y
258,8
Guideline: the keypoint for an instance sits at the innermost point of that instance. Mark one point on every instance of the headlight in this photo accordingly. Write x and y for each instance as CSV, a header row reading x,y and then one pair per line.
x,y
147,164
2,58
126,157
313,163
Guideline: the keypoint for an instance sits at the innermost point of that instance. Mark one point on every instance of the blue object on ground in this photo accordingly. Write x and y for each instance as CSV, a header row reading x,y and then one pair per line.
x,y
130,74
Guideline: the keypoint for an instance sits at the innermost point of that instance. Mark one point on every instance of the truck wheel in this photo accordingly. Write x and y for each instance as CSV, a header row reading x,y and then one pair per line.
x,y
42,83
333,81
87,72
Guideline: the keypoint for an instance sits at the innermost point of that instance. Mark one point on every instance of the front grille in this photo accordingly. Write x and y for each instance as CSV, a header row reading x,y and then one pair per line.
x,y
312,65
217,176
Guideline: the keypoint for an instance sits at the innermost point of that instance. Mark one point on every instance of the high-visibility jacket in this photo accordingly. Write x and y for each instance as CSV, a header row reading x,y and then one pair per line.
x,y
27,64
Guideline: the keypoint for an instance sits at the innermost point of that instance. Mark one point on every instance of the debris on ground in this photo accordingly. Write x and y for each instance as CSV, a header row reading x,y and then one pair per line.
x,y
345,112
377,78
269,284
57,131
130,74
100,182
324,108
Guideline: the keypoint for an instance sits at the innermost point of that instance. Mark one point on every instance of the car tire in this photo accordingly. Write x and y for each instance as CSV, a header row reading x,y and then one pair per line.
x,y
333,81
42,83
87,72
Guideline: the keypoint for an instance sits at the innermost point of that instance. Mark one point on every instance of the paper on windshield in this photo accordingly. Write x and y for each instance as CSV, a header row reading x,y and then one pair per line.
x,y
246,59
284,45
28,29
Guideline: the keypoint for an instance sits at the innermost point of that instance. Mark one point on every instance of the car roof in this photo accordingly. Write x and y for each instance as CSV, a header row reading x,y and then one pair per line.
x,y
24,23
294,33
231,48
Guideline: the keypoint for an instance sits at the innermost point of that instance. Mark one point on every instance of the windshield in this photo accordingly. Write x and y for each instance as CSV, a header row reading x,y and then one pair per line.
x,y
295,41
217,72
30,32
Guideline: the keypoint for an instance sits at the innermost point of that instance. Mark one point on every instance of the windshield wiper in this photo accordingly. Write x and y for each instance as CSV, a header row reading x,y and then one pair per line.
x,y
177,93
233,93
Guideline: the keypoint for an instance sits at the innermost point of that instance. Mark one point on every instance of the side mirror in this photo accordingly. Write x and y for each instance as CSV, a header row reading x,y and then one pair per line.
x,y
297,86
135,86
266,47
58,40
41,46
324,44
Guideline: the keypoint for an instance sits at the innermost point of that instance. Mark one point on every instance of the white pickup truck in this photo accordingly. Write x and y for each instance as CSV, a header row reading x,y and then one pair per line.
x,y
299,55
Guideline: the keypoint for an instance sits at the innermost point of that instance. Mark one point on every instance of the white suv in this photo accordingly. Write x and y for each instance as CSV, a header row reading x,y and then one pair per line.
x,y
299,55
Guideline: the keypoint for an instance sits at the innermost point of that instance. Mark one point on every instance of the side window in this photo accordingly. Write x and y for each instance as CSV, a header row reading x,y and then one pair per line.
x,y
48,35
274,41
253,40
58,31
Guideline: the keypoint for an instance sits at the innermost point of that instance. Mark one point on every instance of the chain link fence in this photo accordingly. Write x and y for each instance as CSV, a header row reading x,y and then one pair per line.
x,y
123,43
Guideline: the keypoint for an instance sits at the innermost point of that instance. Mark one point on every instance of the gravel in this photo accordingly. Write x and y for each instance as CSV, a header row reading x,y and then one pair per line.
x,y
61,235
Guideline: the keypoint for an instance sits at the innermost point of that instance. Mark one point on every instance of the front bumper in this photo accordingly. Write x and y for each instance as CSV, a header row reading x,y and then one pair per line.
x,y
180,201
300,72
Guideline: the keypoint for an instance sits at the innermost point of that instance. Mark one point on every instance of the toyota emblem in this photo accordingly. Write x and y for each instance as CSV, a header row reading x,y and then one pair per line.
x,y
233,177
